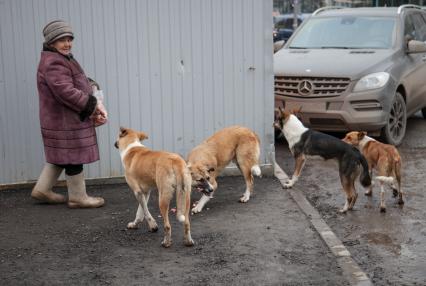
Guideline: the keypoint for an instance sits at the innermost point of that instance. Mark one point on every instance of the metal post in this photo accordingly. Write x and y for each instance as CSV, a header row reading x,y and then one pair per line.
x,y
295,11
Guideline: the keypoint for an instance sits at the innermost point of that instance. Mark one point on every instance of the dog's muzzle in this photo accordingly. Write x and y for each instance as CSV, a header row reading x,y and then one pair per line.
x,y
204,187
116,144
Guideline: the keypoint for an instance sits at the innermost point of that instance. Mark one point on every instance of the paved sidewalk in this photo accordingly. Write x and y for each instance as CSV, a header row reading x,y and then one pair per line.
x,y
268,241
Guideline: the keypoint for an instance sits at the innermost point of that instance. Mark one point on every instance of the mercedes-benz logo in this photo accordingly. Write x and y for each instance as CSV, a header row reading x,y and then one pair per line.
x,y
305,87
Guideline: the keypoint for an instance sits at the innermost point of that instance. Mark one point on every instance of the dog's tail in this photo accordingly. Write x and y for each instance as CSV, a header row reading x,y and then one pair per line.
x,y
255,169
365,177
386,180
395,180
183,191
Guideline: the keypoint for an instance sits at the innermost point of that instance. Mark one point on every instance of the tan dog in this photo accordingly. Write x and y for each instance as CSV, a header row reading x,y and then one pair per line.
x,y
207,160
384,158
146,169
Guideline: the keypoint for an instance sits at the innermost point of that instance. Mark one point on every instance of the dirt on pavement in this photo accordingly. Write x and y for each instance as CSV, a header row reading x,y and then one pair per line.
x,y
390,247
267,241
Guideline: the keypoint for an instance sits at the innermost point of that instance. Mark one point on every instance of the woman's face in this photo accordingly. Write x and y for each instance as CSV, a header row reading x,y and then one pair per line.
x,y
63,45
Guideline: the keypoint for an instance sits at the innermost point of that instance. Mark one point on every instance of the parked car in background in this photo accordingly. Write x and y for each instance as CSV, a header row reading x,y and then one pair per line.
x,y
356,69
283,26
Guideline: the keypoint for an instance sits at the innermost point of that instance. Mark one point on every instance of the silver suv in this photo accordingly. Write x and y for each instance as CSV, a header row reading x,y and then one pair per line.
x,y
356,69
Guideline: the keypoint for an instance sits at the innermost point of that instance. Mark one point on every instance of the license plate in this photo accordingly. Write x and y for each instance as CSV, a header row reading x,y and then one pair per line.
x,y
306,106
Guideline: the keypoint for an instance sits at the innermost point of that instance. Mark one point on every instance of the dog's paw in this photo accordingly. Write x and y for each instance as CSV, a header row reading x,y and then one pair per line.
x,y
368,193
189,242
288,185
166,243
343,211
196,210
132,225
394,193
382,209
244,199
153,228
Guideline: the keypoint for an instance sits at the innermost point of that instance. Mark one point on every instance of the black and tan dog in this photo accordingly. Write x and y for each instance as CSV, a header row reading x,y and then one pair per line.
x,y
146,169
207,160
305,142
384,158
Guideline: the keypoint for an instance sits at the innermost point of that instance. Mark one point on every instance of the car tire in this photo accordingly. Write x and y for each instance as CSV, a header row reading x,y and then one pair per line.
x,y
394,130
424,112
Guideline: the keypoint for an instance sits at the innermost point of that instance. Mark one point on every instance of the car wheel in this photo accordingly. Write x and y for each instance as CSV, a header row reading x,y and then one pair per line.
x,y
424,112
394,130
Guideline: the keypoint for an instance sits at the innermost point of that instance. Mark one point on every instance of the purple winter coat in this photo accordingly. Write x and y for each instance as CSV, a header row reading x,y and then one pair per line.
x,y
69,136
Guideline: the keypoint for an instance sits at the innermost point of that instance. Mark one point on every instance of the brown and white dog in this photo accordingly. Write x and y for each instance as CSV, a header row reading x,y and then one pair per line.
x,y
304,142
146,169
207,160
384,158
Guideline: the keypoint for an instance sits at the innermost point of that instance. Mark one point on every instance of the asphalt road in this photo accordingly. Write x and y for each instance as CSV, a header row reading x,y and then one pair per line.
x,y
390,247
267,241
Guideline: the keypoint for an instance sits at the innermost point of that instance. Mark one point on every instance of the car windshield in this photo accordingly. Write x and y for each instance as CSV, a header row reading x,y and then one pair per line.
x,y
346,32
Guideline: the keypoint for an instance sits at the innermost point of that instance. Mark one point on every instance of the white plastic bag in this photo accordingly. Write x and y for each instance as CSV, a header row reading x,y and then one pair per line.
x,y
101,114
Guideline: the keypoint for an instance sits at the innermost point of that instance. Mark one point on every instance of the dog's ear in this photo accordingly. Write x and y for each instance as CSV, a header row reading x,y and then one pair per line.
x,y
286,114
142,136
282,114
277,113
297,110
123,131
361,135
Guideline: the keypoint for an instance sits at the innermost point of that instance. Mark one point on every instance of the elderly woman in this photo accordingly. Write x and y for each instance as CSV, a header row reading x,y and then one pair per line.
x,y
68,115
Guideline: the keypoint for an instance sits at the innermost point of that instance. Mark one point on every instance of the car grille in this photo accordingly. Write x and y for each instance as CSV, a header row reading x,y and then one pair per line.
x,y
307,87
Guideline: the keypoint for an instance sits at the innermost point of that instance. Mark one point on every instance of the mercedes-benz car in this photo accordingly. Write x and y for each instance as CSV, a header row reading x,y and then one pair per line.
x,y
356,69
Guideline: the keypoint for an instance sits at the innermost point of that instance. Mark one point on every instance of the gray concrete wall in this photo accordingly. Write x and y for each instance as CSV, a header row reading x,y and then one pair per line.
x,y
177,69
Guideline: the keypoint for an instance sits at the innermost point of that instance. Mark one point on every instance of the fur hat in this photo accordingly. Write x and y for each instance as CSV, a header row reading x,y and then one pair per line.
x,y
56,30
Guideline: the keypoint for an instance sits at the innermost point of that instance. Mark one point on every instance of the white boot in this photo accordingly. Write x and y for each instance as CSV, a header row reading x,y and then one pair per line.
x,y
42,191
77,196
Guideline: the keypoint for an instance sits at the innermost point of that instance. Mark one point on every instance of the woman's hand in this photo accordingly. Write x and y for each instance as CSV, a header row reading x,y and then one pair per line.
x,y
101,109
100,115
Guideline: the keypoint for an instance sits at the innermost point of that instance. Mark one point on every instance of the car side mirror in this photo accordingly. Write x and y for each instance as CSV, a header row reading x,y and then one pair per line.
x,y
416,47
278,45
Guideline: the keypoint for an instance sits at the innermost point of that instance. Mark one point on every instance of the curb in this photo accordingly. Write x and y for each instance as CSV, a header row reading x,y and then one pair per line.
x,y
351,270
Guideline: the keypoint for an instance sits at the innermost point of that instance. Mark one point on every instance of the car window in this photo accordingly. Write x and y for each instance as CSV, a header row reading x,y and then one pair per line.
x,y
419,26
410,29
346,32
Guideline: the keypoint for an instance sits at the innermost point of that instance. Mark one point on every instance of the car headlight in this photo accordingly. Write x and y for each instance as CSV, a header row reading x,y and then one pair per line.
x,y
372,81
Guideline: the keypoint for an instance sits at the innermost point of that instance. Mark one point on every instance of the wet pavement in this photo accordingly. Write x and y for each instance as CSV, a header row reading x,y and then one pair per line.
x,y
267,241
390,247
